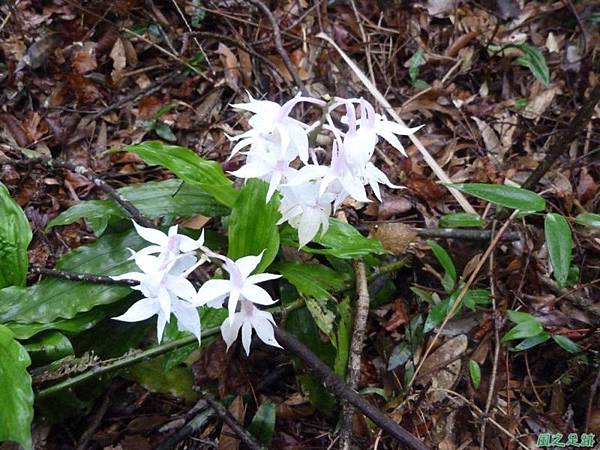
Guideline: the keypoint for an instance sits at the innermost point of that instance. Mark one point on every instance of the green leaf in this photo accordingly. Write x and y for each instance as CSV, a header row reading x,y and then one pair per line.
x,y
474,297
416,61
528,343
253,224
47,347
341,240
424,295
461,220
16,394
154,199
475,372
524,330
15,236
81,322
263,424
560,246
312,280
400,354
188,166
323,316
519,316
503,195
52,298
177,382
164,131
566,343
372,390
437,314
343,337
534,60
444,259
589,220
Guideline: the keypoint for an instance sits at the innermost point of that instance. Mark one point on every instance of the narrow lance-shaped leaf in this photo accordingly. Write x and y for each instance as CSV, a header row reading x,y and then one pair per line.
x,y
188,166
560,246
253,224
16,394
444,259
263,424
475,372
15,235
589,220
503,195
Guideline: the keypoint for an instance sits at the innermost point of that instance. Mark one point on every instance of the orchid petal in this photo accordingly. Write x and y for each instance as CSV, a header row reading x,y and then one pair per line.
x,y
151,234
141,310
256,294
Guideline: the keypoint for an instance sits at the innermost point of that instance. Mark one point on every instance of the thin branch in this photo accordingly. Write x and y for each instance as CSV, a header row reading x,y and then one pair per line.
x,y
83,277
464,234
361,313
562,143
106,188
231,422
134,213
201,413
279,45
337,386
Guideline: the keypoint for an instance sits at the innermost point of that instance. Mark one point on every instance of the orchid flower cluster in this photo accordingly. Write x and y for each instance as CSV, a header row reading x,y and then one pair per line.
x,y
163,281
276,144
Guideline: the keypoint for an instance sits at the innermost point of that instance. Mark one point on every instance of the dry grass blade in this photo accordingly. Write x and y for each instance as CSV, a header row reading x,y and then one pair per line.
x,y
439,172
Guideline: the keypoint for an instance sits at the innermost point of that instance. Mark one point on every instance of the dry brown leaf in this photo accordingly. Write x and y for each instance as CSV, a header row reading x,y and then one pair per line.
x,y
490,139
539,103
246,67
439,371
84,58
231,66
117,54
228,439
587,187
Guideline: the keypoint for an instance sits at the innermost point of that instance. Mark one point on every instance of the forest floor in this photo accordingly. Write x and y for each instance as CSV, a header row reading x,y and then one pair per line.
x,y
78,78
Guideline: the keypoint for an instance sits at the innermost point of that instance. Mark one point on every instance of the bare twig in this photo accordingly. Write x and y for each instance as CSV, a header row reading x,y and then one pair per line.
x,y
231,422
203,413
361,313
84,277
95,421
464,234
105,187
279,45
562,143
337,386
439,172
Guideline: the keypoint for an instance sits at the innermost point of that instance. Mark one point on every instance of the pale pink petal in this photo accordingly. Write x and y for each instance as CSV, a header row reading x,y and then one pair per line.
x,y
234,297
181,287
252,170
161,322
148,263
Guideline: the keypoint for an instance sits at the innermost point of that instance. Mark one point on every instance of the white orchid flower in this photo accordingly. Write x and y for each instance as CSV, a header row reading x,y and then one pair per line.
x,y
361,141
168,245
269,118
166,291
241,285
305,209
272,167
249,317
